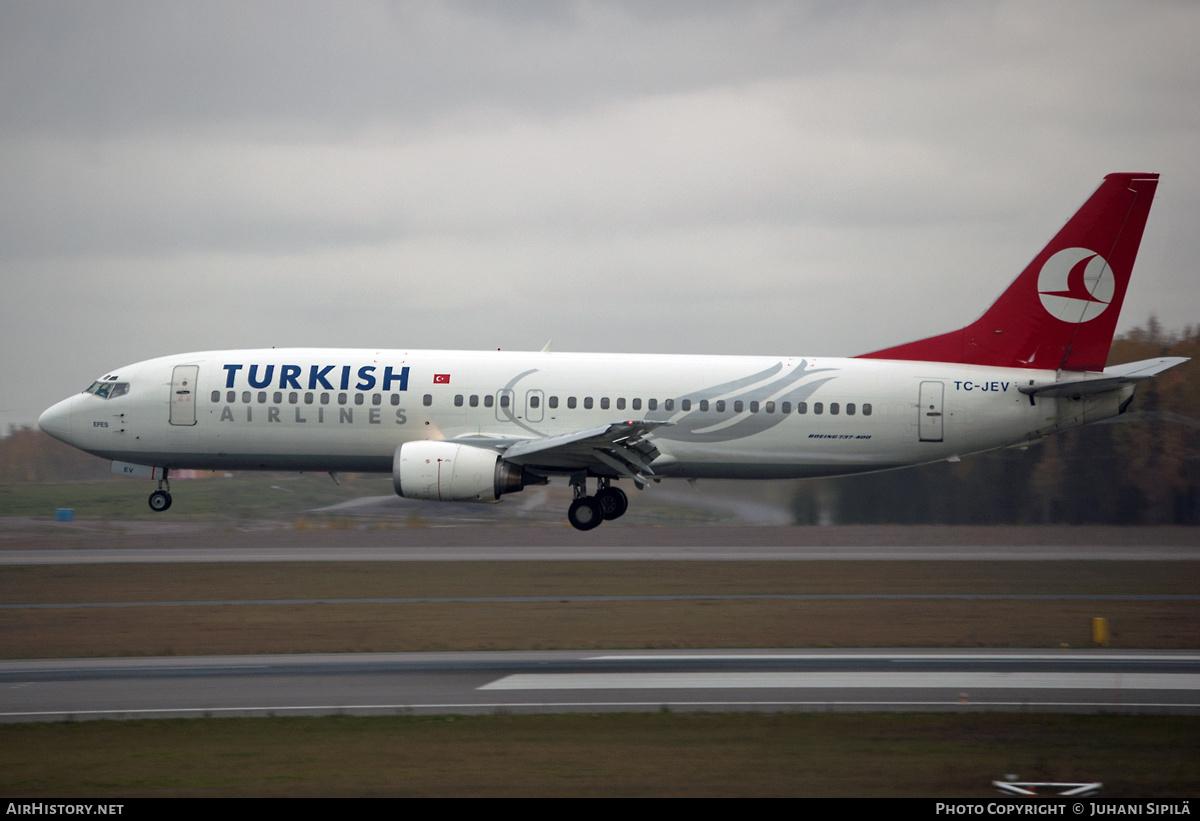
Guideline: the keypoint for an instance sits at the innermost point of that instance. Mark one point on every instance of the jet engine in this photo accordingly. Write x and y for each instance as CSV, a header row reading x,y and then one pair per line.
x,y
451,472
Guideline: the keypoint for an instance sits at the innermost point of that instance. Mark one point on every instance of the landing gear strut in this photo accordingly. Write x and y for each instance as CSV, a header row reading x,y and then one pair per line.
x,y
160,499
587,512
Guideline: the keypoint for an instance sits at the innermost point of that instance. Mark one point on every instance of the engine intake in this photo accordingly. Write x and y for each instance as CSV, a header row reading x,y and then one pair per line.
x,y
451,472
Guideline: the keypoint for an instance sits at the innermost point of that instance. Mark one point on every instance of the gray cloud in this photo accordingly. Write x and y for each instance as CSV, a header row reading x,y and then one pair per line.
x,y
809,178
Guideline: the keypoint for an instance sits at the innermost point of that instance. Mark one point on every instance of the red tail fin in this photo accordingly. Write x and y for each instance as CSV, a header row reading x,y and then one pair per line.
x,y
1060,313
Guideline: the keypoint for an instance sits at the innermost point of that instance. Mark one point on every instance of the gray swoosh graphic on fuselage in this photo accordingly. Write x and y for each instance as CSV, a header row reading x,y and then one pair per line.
x,y
691,427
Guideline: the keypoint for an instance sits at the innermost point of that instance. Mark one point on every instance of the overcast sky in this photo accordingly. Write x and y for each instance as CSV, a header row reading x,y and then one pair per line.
x,y
822,178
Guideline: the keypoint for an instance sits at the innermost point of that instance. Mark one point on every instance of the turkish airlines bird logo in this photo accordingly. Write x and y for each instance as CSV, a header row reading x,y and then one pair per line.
x,y
1076,285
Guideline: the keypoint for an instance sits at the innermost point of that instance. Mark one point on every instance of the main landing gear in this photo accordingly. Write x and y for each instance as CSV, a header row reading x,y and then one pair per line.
x,y
587,512
160,499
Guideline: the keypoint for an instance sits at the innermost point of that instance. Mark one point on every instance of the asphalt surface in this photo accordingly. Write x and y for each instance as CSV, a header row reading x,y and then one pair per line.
x,y
1071,681
533,682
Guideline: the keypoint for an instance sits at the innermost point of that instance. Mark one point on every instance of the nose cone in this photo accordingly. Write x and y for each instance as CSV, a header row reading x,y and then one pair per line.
x,y
56,420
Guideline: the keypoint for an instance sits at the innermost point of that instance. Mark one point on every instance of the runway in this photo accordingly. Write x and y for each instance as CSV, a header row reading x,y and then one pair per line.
x,y
488,682
573,681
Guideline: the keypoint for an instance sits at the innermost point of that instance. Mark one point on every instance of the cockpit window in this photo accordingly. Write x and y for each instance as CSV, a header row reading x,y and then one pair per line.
x,y
108,390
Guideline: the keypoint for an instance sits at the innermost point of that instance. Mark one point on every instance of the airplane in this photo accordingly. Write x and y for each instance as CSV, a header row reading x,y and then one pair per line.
x,y
462,426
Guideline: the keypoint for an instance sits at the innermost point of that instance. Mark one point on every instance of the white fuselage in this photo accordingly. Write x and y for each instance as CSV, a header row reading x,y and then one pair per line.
x,y
733,416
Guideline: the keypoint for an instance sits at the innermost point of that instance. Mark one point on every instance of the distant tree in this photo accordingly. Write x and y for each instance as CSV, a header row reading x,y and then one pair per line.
x,y
28,455
1140,468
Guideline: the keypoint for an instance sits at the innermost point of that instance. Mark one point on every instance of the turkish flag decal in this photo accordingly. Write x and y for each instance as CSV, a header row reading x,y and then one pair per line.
x,y
441,379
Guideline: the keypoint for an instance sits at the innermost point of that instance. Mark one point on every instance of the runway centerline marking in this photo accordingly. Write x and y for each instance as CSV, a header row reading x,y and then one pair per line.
x,y
793,680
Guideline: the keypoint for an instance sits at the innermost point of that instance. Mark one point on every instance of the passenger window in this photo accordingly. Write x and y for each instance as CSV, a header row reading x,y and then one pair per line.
x,y
833,408
704,406
262,397
377,399
686,404
603,403
818,408
621,403
278,397
849,408
770,408
231,397
801,407
553,402
458,400
504,400
535,401
308,398
341,398
395,399
427,400
216,396
246,397
785,408
669,404
358,398
571,402
324,399
651,404
293,398
637,404
587,403
753,407
866,409
720,406
738,407
474,400
489,400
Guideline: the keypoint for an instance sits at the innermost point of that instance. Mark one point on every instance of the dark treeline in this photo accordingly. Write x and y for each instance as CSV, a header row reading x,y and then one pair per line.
x,y
28,455
1142,468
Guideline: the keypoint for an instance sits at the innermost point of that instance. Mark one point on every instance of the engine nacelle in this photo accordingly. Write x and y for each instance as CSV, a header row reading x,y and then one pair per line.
x,y
450,472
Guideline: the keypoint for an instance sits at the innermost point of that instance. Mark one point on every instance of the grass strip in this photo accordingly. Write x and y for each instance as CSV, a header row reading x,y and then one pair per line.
x,y
668,754
434,626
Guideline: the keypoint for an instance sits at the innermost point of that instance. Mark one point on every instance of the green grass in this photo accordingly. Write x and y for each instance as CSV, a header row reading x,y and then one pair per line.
x,y
707,754
252,497
244,496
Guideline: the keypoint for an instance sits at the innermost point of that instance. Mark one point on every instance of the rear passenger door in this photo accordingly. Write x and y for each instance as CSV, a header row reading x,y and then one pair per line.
x,y
929,411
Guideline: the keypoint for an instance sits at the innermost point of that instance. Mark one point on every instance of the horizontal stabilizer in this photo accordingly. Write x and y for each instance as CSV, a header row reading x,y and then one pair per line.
x,y
1110,380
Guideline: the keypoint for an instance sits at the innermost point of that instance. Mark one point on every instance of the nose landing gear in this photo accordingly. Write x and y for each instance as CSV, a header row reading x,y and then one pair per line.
x,y
160,499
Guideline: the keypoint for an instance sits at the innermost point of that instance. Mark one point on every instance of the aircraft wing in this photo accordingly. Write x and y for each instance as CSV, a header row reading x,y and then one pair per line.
x,y
1109,380
622,448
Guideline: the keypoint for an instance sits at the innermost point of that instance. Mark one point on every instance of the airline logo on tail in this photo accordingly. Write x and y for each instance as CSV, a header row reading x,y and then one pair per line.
x,y
1076,285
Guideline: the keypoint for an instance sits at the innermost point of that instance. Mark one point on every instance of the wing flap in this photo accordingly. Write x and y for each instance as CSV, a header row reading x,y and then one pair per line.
x,y
624,448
